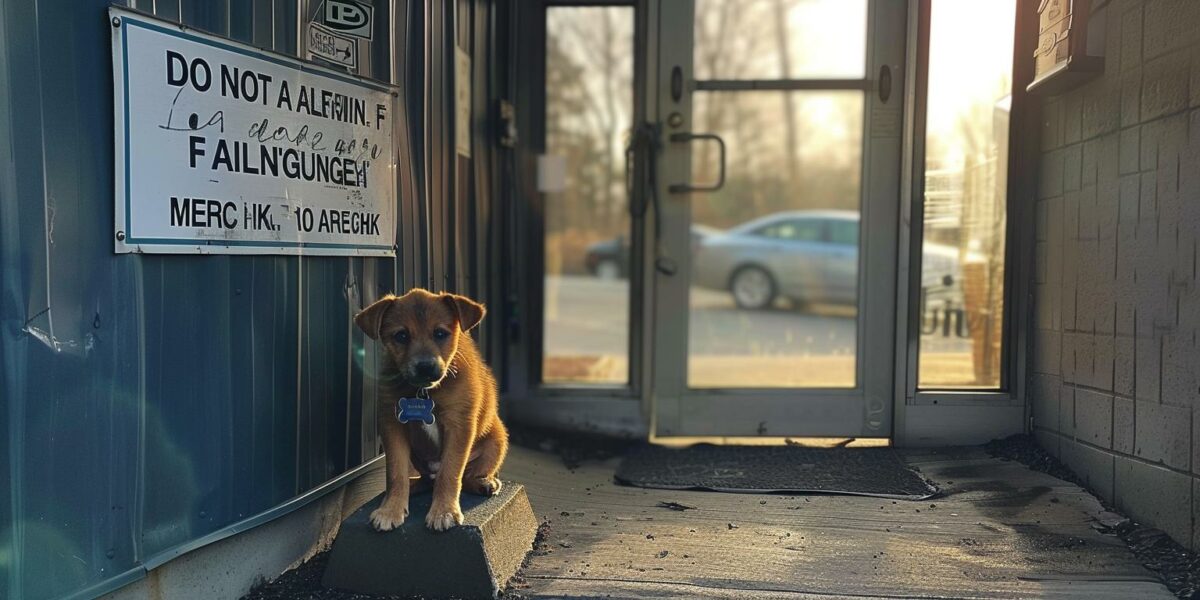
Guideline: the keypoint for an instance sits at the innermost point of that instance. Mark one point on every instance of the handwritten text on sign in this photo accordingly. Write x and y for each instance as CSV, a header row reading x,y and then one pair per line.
x,y
225,149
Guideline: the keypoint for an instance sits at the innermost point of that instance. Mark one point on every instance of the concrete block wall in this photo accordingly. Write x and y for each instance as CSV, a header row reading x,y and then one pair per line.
x,y
1115,379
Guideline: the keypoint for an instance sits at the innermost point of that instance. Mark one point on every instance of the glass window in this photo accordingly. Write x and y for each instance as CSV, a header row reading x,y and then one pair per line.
x,y
795,231
843,232
966,151
784,316
780,39
589,105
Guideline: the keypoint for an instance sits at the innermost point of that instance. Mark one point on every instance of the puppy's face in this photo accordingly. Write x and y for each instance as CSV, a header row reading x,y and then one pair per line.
x,y
421,331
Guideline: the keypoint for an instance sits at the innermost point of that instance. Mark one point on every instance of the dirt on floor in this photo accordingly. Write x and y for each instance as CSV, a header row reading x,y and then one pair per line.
x,y
573,448
1178,567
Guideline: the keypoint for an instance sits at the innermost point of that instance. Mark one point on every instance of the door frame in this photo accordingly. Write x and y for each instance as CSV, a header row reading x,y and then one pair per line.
x,y
917,419
862,411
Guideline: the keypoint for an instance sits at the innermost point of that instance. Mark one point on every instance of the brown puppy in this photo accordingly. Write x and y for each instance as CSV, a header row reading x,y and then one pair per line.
x,y
429,349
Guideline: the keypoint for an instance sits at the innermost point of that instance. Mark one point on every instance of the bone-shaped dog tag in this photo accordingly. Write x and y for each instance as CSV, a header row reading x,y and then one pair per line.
x,y
415,409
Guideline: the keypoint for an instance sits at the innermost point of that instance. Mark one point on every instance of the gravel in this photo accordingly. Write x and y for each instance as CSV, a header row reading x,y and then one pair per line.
x,y
1178,567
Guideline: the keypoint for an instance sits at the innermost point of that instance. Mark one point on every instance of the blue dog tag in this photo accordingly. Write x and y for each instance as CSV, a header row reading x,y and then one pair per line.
x,y
415,409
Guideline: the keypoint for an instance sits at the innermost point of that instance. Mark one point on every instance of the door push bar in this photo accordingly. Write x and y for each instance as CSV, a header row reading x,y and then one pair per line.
x,y
683,188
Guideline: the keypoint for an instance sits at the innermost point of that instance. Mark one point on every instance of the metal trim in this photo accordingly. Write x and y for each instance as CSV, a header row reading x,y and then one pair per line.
x,y
157,560
742,85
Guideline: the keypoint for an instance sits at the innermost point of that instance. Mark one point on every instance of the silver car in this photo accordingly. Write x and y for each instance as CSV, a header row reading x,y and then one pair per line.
x,y
808,256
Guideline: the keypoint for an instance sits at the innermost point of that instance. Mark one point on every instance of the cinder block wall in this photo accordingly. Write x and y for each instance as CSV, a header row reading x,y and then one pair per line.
x,y
1116,376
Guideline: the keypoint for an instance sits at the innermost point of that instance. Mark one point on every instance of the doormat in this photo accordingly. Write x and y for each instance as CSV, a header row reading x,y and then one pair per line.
x,y
877,472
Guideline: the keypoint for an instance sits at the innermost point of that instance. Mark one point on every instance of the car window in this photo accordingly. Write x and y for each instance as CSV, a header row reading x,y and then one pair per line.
x,y
793,230
843,232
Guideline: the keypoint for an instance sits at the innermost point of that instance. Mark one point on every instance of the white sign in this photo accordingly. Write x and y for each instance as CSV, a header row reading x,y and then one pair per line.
x,y
327,45
222,148
348,17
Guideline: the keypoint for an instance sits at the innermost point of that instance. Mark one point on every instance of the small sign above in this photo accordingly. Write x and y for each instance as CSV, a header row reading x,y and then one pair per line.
x,y
348,17
327,45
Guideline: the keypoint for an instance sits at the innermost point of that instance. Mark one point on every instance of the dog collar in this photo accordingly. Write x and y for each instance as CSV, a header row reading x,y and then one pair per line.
x,y
419,408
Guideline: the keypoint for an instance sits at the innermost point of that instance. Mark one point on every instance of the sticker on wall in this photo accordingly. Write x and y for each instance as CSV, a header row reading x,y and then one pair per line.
x,y
224,148
462,101
348,17
327,45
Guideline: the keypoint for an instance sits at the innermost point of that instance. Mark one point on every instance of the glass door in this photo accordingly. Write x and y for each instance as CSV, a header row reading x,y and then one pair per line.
x,y
776,193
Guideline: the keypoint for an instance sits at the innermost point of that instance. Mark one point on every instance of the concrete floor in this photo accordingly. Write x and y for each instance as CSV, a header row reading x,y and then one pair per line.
x,y
1000,531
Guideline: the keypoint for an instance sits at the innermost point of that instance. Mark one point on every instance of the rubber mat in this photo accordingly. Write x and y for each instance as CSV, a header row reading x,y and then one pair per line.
x,y
775,469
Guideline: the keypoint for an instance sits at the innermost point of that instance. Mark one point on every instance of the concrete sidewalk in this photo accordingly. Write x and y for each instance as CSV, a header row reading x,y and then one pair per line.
x,y
999,531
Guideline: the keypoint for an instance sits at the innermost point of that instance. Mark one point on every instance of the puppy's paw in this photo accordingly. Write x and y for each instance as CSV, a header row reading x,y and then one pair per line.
x,y
443,518
483,486
387,518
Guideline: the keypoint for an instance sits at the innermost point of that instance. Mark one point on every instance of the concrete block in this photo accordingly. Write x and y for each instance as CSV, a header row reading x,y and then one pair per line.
x,y
1180,362
1046,306
1087,300
1093,417
1131,38
1150,133
1094,467
1066,412
1164,434
1050,177
1090,161
1155,496
1103,357
474,560
1101,108
1195,443
1165,85
1123,352
1067,357
1072,122
1123,425
1189,176
1108,163
1131,98
1046,351
1052,129
1194,80
1195,514
1130,151
1167,26
1127,213
1041,220
1044,391
1072,169
1089,223
1040,252
1085,358
1147,370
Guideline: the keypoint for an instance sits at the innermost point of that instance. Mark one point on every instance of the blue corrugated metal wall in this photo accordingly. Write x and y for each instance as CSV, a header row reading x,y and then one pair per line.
x,y
150,400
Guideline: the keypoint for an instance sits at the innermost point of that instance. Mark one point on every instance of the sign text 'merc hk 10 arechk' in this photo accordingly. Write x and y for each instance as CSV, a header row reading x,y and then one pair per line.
x,y
222,148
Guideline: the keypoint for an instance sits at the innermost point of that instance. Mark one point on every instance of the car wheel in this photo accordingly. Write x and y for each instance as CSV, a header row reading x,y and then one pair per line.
x,y
753,288
608,269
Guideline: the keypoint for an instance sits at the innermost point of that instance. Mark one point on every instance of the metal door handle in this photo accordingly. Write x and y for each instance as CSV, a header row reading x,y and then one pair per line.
x,y
683,188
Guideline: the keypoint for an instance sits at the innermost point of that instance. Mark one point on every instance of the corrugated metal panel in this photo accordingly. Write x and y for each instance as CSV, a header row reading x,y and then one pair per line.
x,y
150,400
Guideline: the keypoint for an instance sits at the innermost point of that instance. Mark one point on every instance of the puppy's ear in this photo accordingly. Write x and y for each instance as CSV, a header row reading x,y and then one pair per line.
x,y
371,317
469,312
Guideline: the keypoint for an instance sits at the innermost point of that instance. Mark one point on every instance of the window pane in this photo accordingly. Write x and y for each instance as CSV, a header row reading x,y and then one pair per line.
x,y
966,152
841,232
772,304
589,102
780,39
